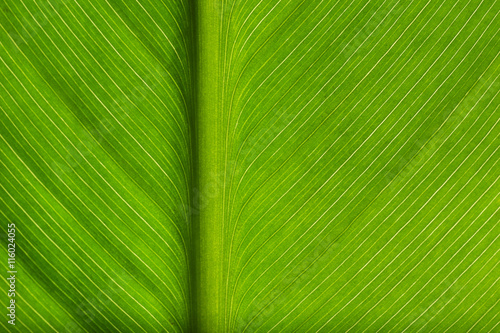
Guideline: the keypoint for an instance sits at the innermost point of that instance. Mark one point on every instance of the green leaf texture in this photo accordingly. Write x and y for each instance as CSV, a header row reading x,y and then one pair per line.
x,y
95,166
251,166
355,151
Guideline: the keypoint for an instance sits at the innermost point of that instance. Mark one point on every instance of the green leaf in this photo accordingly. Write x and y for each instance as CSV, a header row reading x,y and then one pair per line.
x,y
95,145
355,146
251,166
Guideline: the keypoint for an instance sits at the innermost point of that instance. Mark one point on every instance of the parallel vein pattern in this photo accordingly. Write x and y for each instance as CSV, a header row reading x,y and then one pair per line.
x,y
95,167
357,162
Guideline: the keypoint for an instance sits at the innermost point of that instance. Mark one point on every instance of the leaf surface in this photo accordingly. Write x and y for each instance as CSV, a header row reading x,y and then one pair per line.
x,y
251,166
354,152
95,166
